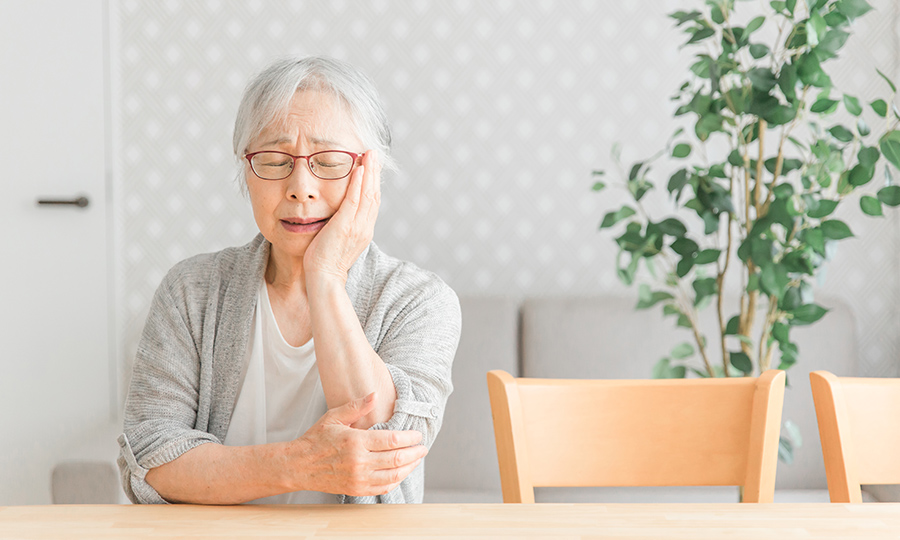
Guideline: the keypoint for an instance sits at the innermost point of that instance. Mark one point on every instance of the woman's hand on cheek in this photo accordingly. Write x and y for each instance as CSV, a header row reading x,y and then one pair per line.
x,y
341,241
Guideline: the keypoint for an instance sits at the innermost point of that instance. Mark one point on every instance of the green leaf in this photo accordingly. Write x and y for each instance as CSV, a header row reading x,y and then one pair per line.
x,y
732,327
635,170
677,181
790,5
841,133
783,190
684,266
852,105
762,79
880,107
860,175
704,287
835,229
862,127
890,83
831,43
815,29
816,240
681,150
700,34
810,71
683,17
761,250
824,106
664,370
682,350
707,256
611,218
870,205
754,25
672,227
889,195
853,8
787,81
774,279
685,247
781,115
598,186
825,208
741,362
890,147
781,332
735,159
807,314
793,432
758,50
868,156
785,451
648,298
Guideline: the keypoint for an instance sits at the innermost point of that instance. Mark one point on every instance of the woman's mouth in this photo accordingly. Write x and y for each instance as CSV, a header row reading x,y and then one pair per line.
x,y
303,226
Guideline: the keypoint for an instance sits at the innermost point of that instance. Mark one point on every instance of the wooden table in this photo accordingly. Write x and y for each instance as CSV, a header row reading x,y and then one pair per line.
x,y
445,521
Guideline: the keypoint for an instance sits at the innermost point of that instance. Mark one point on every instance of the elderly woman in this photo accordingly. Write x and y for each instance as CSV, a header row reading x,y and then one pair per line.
x,y
306,366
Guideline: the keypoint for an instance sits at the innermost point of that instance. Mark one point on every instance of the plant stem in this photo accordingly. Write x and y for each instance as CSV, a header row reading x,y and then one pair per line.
x,y
779,162
765,351
700,345
720,282
748,316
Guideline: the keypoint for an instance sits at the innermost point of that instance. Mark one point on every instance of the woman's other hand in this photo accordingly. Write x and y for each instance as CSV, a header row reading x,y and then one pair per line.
x,y
341,241
333,457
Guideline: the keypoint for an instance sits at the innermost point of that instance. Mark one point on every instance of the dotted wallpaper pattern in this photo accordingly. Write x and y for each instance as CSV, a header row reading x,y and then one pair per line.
x,y
500,110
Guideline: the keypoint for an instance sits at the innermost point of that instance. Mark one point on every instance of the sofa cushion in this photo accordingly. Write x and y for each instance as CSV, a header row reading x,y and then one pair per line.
x,y
463,458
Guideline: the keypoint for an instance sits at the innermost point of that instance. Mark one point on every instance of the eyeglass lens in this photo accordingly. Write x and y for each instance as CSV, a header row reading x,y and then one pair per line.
x,y
325,165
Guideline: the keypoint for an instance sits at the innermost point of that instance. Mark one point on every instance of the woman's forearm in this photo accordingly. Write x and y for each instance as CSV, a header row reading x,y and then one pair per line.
x,y
348,366
217,474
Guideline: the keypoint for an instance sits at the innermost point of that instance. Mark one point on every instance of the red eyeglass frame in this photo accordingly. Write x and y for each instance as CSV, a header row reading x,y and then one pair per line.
x,y
249,158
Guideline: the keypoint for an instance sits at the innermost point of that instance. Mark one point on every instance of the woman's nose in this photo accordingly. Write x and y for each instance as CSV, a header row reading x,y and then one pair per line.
x,y
302,184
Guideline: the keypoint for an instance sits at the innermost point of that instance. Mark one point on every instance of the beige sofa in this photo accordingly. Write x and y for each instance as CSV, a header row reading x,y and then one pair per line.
x,y
604,337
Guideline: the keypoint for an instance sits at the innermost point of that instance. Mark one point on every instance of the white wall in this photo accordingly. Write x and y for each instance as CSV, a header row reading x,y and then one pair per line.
x,y
500,111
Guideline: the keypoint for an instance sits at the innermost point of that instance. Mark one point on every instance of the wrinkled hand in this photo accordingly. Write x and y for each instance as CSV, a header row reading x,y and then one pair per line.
x,y
341,241
332,457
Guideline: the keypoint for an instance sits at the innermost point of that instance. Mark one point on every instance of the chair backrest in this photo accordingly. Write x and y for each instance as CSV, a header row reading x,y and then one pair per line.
x,y
858,426
684,432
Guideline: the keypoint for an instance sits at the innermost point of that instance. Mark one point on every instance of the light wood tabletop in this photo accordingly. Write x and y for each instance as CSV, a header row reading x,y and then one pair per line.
x,y
445,521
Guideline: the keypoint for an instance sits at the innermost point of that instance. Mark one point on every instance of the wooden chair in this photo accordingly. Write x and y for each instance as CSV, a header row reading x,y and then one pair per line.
x,y
676,432
859,426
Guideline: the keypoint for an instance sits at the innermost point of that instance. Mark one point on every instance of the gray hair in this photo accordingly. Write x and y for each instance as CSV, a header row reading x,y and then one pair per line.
x,y
268,96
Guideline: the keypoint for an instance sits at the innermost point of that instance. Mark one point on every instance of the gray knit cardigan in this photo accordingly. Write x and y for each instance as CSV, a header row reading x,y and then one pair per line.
x,y
187,371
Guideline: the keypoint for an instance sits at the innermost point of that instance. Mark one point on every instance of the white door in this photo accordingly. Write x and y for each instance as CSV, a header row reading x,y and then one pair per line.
x,y
56,389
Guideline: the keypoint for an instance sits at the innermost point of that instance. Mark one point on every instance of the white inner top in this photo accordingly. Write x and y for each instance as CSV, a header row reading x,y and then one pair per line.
x,y
281,396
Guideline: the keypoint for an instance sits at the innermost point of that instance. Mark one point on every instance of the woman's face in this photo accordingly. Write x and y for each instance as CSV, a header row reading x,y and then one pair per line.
x,y
290,212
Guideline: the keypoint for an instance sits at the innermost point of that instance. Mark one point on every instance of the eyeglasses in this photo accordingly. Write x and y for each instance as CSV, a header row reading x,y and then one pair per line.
x,y
327,165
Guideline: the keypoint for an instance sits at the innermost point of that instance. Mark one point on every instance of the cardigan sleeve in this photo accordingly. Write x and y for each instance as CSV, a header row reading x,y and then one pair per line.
x,y
162,402
418,350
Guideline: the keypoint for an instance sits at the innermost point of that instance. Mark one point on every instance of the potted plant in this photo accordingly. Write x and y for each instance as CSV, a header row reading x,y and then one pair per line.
x,y
765,164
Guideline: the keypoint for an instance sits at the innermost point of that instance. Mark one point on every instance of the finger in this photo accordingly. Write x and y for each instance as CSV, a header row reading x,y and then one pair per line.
x,y
395,459
350,412
381,440
376,192
367,189
392,476
354,190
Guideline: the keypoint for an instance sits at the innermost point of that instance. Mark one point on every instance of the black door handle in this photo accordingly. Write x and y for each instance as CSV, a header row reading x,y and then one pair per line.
x,y
80,202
